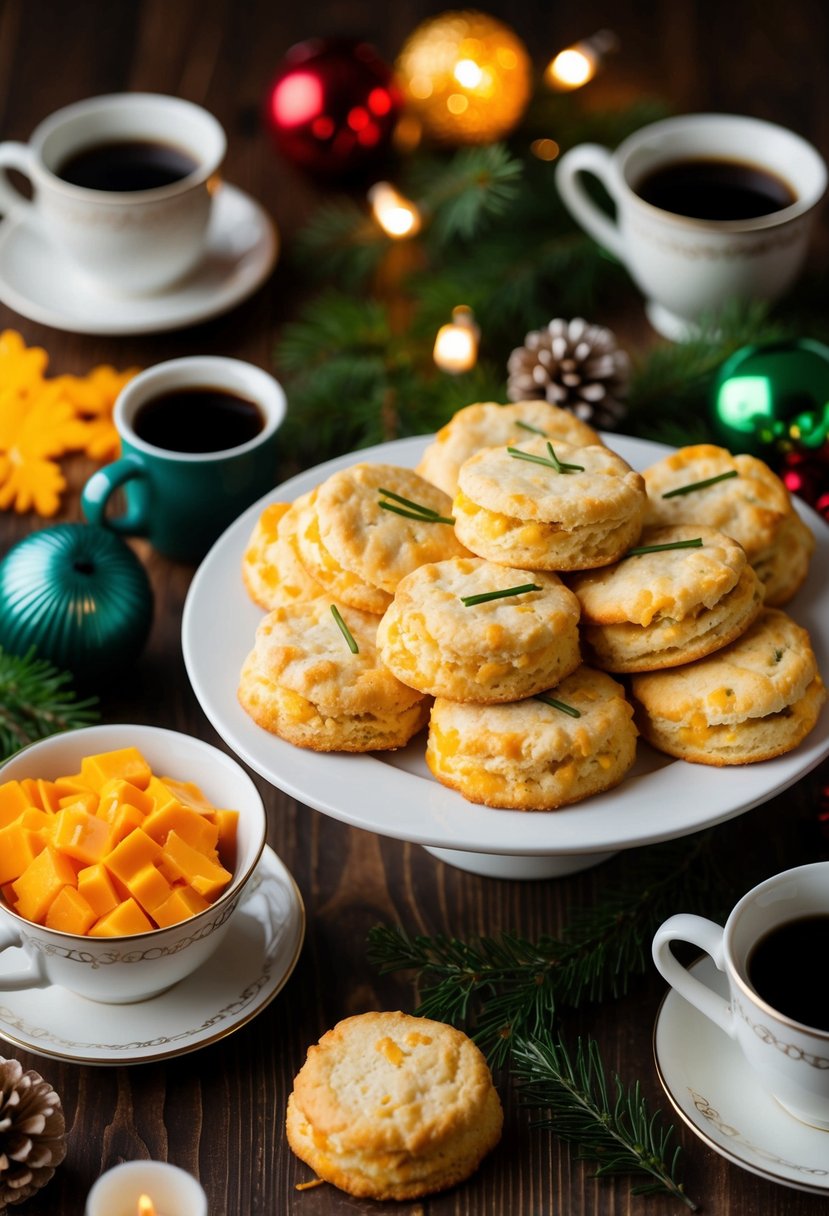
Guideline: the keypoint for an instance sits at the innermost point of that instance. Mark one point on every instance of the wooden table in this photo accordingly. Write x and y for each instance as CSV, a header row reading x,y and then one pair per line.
x,y
219,1112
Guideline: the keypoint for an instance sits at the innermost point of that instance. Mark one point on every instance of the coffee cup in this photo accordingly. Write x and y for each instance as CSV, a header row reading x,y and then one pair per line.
x,y
772,951
122,186
198,446
710,208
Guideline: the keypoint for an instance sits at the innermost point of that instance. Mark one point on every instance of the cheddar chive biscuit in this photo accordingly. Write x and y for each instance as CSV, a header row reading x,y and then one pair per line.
x,y
670,606
755,699
389,1106
504,648
271,568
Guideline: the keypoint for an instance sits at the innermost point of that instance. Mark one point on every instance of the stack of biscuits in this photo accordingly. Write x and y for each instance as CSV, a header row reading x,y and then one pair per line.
x,y
391,603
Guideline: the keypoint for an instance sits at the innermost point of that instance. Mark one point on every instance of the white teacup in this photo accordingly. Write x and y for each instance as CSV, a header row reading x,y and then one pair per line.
x,y
118,970
130,242
686,267
789,1058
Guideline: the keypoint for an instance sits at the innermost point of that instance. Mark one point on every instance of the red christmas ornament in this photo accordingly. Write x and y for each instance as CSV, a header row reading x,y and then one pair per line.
x,y
333,107
807,474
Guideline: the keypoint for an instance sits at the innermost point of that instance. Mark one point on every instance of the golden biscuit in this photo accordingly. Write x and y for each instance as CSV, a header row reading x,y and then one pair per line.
x,y
342,585
756,699
488,425
671,606
271,569
499,650
388,1106
784,570
533,756
519,512
302,682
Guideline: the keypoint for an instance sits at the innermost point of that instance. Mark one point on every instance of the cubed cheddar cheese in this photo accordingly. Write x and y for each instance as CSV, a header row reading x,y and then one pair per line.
x,y
69,912
30,789
41,881
227,824
117,792
124,920
87,801
18,849
203,874
160,793
197,830
132,854
13,802
123,820
96,885
183,903
149,888
126,763
49,795
81,835
188,793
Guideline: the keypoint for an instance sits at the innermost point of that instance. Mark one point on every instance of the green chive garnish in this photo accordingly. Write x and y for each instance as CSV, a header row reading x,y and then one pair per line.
x,y
552,463
696,543
525,426
415,510
565,709
344,630
700,485
470,600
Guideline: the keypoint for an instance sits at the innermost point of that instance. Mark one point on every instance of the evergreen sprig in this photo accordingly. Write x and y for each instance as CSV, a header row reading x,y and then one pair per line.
x,y
505,987
615,1130
36,700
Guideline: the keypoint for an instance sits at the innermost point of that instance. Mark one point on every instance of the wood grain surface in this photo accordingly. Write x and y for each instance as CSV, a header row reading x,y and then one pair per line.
x,y
219,1112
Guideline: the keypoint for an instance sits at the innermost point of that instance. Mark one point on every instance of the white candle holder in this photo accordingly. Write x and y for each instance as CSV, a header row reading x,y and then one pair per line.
x,y
173,1191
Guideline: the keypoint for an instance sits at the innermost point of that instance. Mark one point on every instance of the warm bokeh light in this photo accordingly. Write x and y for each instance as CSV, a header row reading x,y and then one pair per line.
x,y
468,73
578,64
545,149
297,99
456,344
396,215
146,1207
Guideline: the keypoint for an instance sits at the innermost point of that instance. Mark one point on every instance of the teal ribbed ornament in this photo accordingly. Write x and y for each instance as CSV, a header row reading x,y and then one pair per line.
x,y
80,596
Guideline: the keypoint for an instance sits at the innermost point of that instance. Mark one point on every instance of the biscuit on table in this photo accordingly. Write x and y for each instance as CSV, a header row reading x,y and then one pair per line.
x,y
489,425
519,512
533,756
669,607
271,569
302,682
756,699
389,1106
754,507
342,585
499,650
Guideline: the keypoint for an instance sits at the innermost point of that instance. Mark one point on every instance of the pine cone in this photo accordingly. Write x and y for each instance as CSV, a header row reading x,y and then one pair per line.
x,y
573,365
32,1141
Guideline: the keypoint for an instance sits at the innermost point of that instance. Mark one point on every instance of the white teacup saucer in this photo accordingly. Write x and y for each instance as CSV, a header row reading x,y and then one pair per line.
x,y
249,968
39,283
712,1088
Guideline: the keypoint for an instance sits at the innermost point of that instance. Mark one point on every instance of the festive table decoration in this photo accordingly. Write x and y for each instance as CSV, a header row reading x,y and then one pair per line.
x,y
573,365
333,107
466,75
42,419
37,701
398,216
79,596
577,65
146,1188
456,344
32,1132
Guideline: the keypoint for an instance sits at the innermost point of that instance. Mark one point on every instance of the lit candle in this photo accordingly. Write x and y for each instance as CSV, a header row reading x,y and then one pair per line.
x,y
456,344
578,64
146,1188
396,215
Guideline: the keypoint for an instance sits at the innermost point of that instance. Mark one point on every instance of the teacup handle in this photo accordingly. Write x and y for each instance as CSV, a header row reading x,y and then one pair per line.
x,y
100,488
32,976
590,158
20,157
709,937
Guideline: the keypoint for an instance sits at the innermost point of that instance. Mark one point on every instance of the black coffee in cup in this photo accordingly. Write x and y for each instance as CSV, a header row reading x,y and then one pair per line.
x,y
202,419
712,189
786,969
126,165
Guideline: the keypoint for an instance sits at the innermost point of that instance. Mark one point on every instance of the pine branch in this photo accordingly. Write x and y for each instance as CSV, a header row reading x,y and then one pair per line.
x,y
618,1133
35,701
341,243
464,195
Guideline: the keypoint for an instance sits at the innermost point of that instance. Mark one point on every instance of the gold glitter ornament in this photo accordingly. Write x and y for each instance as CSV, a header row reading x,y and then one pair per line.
x,y
466,75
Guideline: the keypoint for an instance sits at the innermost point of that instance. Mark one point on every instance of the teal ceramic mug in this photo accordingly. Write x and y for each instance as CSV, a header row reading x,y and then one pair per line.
x,y
198,446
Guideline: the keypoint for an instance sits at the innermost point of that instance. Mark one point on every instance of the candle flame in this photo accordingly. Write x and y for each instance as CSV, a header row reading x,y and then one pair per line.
x,y
578,64
396,215
146,1207
456,344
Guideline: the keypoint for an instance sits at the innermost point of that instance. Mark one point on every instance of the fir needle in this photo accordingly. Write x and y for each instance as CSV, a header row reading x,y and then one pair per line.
x,y
700,485
344,630
485,596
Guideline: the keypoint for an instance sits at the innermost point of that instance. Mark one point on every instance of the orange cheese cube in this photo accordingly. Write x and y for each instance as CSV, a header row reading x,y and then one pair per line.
x,y
69,912
195,829
132,854
203,874
7,892
124,920
117,792
227,823
49,795
96,886
13,802
125,819
30,789
18,849
160,794
126,762
188,793
183,903
74,784
41,881
81,835
149,888
87,801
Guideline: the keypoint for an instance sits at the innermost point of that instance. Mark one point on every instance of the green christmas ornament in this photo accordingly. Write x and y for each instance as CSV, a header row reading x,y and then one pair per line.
x,y
772,399
80,596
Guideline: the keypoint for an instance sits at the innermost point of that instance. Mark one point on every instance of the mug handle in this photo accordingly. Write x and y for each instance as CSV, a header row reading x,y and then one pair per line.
x,y
100,488
590,158
32,976
20,157
687,927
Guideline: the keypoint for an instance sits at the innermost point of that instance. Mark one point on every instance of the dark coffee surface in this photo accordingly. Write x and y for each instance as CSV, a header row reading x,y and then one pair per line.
x,y
198,420
127,165
715,189
787,968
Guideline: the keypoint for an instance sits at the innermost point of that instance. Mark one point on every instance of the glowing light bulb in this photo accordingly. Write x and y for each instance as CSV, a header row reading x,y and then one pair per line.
x,y
578,64
146,1207
468,73
456,344
396,215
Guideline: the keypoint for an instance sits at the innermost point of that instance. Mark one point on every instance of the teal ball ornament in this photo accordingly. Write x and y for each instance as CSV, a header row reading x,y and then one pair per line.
x,y
80,597
771,399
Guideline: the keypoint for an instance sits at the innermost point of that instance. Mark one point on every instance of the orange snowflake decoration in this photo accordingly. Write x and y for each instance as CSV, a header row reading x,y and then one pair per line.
x,y
41,420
